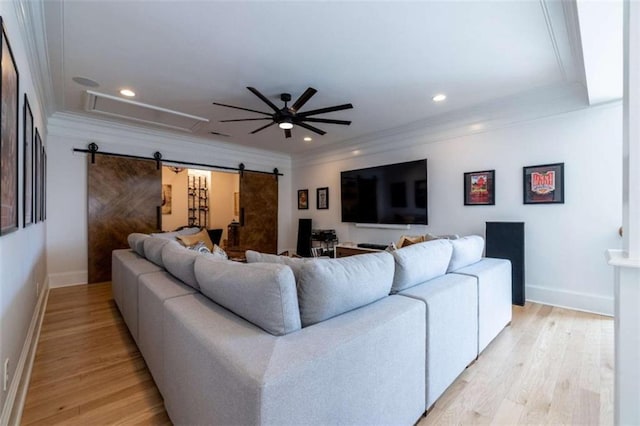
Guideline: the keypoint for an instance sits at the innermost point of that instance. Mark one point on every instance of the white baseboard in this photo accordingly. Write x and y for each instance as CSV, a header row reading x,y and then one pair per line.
x,y
17,394
577,301
67,279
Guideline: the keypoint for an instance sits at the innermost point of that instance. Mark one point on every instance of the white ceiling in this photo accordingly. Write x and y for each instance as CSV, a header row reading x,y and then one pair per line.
x,y
386,58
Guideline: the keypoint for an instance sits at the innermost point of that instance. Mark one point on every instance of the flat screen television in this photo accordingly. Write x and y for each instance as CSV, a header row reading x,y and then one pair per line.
x,y
388,194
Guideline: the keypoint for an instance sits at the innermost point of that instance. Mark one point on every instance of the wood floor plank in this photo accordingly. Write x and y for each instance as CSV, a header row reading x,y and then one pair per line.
x,y
550,366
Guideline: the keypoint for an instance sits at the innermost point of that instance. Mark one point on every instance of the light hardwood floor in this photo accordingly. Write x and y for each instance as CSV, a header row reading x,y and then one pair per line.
x,y
551,366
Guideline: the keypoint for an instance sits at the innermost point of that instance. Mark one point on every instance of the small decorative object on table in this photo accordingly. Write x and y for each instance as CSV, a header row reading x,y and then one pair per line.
x,y
543,184
479,188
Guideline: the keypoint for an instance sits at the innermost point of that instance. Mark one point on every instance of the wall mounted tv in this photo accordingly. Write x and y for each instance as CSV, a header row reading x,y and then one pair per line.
x,y
389,194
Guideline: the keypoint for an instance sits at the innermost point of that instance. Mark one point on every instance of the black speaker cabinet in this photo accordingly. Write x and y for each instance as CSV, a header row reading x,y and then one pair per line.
x,y
505,240
304,238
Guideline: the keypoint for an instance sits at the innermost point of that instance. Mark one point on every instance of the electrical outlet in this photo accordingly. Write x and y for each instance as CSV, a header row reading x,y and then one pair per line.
x,y
5,376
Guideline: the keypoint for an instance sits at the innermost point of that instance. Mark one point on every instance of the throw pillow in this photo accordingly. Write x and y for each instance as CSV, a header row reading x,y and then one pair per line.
x,y
200,247
407,240
189,240
218,252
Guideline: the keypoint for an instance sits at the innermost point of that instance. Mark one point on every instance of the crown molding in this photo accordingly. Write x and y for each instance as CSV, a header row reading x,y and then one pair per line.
x,y
143,141
537,105
30,15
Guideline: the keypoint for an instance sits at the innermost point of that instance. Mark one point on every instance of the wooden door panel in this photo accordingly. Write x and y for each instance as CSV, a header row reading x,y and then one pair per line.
x,y
123,195
259,212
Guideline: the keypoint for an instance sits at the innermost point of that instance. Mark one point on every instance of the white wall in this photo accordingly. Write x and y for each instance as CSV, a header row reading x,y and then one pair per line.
x,y
22,252
179,213
223,186
564,242
67,231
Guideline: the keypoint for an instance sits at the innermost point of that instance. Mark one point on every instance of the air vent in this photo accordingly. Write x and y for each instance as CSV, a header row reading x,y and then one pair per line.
x,y
114,106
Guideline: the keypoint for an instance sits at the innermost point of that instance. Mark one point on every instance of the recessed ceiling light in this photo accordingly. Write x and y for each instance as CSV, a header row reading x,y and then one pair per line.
x,y
355,152
128,93
307,139
83,81
439,97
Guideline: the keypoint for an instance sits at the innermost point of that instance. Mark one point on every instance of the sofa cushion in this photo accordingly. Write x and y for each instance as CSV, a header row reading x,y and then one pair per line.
x,y
262,293
172,235
189,240
331,287
295,263
466,251
179,262
136,242
420,262
153,249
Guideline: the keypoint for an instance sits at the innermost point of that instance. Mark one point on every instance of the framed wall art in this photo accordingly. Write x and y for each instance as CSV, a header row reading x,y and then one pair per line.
x,y
37,176
543,184
44,183
322,198
27,193
8,139
480,188
303,199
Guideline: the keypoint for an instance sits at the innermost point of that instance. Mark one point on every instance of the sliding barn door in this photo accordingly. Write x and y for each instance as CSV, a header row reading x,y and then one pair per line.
x,y
124,196
259,212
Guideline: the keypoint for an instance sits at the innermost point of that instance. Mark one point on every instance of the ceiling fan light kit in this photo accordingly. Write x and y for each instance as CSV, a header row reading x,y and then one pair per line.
x,y
288,116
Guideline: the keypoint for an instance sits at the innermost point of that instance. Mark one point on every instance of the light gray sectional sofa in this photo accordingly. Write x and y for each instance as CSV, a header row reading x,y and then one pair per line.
x,y
368,339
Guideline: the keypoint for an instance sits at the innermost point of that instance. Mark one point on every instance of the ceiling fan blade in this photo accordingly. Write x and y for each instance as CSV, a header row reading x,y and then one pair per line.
x,y
287,133
263,98
220,134
313,129
324,110
326,120
303,98
263,127
240,108
245,119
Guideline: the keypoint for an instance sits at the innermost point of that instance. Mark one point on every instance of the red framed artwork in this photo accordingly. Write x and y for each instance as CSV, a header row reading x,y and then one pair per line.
x,y
480,188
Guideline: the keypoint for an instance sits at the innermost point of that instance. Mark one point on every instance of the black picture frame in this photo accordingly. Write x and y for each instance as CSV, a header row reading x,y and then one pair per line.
x,y
322,198
303,199
28,186
44,183
480,188
37,176
543,184
9,144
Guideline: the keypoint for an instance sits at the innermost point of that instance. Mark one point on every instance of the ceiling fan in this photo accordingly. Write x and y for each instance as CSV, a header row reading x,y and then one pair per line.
x,y
288,116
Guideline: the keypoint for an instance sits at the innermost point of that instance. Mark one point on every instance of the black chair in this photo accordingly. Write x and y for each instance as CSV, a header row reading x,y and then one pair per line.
x,y
215,235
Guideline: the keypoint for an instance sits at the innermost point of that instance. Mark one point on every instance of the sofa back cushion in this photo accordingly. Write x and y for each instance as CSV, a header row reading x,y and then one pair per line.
x,y
295,263
153,249
466,251
420,262
179,262
172,235
262,293
136,242
328,288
